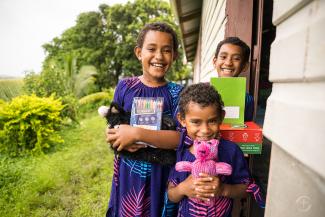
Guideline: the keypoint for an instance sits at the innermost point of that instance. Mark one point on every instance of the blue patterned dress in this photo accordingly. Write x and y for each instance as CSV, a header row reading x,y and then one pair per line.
x,y
138,187
229,153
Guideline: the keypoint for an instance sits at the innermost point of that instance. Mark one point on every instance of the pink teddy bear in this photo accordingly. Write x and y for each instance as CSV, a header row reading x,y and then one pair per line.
x,y
206,153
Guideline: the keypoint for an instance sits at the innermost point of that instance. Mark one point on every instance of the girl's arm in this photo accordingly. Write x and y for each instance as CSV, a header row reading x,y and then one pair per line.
x,y
127,135
235,191
185,188
175,193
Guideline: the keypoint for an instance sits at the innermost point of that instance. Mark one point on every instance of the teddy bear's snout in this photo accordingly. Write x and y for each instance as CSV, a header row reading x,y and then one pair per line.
x,y
202,151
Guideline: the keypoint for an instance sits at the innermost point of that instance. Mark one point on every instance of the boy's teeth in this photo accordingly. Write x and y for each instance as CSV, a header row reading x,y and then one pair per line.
x,y
228,70
157,65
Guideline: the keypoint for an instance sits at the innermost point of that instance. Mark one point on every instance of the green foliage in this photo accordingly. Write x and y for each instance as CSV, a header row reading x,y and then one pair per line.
x,y
55,80
50,81
2,102
10,88
95,100
29,124
70,72
32,83
62,80
85,81
71,107
106,40
72,181
83,41
95,97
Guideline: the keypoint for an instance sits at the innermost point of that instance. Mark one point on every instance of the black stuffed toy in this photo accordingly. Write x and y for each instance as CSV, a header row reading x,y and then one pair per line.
x,y
115,115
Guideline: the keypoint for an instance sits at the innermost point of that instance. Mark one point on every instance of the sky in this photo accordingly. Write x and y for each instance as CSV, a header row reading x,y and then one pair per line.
x,y
25,25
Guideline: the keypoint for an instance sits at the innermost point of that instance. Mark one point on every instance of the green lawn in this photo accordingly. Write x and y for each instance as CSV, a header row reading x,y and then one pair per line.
x,y
73,180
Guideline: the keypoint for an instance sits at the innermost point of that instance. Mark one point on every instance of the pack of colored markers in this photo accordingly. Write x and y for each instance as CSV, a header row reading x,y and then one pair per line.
x,y
147,112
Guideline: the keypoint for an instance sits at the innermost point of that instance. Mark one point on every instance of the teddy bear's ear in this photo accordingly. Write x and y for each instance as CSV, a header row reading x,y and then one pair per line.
x,y
214,142
195,142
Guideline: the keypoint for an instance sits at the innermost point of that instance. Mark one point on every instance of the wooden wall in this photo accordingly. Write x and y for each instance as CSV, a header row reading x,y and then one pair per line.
x,y
212,31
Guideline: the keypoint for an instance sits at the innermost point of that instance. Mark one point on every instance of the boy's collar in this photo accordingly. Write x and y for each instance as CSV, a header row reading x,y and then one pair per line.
x,y
187,140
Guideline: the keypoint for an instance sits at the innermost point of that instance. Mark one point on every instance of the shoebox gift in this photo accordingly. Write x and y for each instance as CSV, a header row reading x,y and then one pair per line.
x,y
248,136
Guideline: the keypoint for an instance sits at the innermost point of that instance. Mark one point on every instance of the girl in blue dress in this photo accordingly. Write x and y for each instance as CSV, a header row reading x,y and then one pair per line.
x,y
201,113
138,187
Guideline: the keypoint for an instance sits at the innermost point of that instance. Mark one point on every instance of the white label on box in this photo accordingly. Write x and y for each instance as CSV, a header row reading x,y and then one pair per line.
x,y
232,112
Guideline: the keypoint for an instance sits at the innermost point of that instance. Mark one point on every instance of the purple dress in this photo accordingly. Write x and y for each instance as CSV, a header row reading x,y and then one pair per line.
x,y
138,187
229,153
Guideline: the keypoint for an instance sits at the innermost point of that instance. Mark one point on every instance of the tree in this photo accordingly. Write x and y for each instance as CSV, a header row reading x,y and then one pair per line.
x,y
106,39
83,41
58,80
85,81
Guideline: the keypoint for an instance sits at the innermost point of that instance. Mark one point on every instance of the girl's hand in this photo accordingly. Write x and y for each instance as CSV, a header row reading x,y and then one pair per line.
x,y
187,187
122,137
134,147
208,186
110,135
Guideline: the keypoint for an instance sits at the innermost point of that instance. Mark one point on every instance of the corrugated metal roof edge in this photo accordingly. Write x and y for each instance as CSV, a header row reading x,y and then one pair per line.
x,y
175,6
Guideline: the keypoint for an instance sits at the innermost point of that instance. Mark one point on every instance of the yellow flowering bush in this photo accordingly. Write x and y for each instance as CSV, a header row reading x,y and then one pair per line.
x,y
30,124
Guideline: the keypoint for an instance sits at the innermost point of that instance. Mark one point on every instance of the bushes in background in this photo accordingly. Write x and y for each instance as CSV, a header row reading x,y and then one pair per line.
x,y
10,88
95,100
30,124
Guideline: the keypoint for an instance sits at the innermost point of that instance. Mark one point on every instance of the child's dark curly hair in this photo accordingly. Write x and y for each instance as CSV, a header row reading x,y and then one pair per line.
x,y
235,41
161,27
203,94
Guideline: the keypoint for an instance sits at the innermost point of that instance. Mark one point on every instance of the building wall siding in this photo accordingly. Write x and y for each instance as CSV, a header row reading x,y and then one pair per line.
x,y
294,119
293,198
212,31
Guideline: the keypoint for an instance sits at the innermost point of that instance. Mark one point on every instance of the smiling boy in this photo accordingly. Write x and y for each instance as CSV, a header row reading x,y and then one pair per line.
x,y
232,58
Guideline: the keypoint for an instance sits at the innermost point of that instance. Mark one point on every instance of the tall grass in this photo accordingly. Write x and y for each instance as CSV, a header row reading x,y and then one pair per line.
x,y
73,180
10,88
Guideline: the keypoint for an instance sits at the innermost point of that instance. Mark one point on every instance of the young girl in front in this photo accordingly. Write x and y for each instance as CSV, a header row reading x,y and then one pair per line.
x,y
138,187
201,113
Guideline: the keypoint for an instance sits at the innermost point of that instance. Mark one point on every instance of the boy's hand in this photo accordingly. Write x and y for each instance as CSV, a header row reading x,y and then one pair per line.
x,y
122,137
208,186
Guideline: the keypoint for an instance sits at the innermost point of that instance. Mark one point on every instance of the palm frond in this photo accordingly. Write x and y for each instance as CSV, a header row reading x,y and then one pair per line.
x,y
134,204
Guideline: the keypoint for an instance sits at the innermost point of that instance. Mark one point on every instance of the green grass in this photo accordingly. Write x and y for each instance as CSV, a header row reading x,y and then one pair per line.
x,y
10,88
73,180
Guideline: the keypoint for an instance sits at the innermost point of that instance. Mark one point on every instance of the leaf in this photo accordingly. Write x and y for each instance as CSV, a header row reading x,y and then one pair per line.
x,y
135,204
